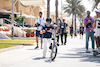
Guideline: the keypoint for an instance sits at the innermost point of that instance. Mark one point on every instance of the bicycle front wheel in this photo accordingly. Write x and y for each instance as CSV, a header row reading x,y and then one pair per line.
x,y
53,52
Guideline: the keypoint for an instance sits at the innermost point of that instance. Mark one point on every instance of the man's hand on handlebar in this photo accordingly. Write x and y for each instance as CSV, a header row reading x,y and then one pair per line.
x,y
42,31
89,21
57,34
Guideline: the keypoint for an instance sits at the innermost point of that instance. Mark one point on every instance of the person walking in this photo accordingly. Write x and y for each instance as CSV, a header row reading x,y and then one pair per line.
x,y
47,35
63,31
58,30
81,29
88,22
71,31
39,23
96,25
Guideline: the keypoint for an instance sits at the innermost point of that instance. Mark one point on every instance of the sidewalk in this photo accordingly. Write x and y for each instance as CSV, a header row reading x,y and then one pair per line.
x,y
70,55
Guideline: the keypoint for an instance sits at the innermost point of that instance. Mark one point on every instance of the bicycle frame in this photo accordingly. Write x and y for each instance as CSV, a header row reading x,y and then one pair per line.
x,y
56,28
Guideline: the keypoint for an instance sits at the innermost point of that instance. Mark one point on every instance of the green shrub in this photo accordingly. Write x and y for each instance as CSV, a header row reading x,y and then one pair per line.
x,y
0,24
29,30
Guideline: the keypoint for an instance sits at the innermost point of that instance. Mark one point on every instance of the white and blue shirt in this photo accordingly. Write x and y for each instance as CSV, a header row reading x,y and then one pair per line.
x,y
41,21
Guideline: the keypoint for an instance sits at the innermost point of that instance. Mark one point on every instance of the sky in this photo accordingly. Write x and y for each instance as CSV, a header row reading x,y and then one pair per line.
x,y
86,3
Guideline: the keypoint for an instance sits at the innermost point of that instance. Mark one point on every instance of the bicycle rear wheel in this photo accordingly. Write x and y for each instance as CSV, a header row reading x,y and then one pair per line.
x,y
53,52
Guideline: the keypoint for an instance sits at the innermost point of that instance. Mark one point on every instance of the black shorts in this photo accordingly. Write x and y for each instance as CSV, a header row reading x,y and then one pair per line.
x,y
38,34
81,32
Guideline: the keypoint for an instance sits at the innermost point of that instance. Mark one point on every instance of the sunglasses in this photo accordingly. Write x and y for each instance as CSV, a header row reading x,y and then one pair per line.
x,y
49,22
88,12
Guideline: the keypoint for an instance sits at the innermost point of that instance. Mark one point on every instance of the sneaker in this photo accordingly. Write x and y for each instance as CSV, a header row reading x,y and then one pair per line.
x,y
50,47
87,51
94,50
57,44
98,55
41,47
44,56
36,47
61,44
64,43
98,50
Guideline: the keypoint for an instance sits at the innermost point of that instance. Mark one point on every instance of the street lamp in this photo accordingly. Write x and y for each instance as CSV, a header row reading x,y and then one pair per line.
x,y
12,18
61,10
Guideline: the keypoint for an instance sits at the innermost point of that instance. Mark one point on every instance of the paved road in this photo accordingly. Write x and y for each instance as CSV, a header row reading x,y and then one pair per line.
x,y
70,55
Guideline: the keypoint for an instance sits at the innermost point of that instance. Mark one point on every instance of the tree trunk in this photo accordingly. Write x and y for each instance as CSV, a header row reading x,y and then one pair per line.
x,y
48,8
75,22
56,9
72,20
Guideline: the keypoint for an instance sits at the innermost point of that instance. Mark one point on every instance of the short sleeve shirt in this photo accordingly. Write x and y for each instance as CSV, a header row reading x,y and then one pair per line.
x,y
85,21
47,34
81,28
41,21
63,26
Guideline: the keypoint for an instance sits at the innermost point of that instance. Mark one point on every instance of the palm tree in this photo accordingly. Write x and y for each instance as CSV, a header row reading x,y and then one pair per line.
x,y
75,8
96,3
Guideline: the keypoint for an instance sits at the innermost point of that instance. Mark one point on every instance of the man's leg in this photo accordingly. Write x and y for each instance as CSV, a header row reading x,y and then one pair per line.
x,y
71,33
96,41
37,35
37,40
50,43
45,41
58,38
87,39
65,38
92,39
82,35
41,36
62,39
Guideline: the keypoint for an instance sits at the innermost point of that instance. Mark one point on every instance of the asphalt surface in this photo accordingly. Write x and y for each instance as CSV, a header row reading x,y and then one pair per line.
x,y
70,55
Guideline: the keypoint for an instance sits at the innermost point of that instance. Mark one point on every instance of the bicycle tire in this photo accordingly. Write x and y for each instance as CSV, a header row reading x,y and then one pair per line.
x,y
53,57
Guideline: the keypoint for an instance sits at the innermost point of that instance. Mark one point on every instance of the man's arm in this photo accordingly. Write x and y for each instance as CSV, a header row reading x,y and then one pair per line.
x,y
94,24
86,22
93,20
66,26
89,21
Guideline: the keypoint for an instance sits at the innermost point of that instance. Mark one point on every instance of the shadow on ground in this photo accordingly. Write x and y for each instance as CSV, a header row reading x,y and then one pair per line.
x,y
82,55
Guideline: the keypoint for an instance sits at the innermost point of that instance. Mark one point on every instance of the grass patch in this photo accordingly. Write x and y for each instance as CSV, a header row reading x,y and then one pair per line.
x,y
17,41
6,46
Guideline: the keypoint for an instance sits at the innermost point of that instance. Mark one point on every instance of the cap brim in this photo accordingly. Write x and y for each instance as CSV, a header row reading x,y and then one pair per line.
x,y
97,11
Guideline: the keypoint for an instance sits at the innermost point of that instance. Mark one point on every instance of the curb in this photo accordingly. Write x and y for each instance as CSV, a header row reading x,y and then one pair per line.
x,y
19,43
10,48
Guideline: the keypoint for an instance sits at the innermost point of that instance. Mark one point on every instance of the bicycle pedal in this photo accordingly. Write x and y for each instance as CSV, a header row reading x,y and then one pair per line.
x,y
52,38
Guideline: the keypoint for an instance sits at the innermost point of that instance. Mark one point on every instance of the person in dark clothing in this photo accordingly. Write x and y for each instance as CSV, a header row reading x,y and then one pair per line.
x,y
81,31
58,31
63,31
47,35
71,31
